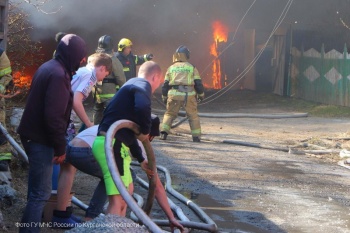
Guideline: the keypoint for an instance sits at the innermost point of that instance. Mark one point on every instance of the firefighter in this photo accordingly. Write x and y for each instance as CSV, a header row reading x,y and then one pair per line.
x,y
103,92
182,87
5,82
128,59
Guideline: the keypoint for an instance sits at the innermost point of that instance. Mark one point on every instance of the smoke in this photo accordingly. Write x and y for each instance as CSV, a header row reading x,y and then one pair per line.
x,y
160,26
156,26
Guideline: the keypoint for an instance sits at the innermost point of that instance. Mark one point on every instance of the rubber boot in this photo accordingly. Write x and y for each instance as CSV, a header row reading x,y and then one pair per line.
x,y
163,135
196,139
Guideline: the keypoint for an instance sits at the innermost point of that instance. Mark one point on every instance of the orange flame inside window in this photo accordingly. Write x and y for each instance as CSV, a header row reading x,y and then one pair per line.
x,y
220,33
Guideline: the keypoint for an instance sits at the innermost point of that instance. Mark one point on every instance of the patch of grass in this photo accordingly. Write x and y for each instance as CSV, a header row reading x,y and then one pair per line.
x,y
314,109
330,111
291,104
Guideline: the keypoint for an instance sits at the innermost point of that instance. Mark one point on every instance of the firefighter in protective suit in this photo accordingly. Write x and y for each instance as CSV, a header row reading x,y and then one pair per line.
x,y
128,59
182,88
5,81
104,91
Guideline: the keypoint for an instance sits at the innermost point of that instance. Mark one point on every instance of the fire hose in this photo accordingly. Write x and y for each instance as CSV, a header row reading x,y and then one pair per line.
x,y
209,224
233,115
144,218
15,145
238,142
241,115
174,207
165,223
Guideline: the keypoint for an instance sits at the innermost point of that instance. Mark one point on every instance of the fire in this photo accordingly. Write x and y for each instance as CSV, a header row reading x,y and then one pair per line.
x,y
21,80
220,33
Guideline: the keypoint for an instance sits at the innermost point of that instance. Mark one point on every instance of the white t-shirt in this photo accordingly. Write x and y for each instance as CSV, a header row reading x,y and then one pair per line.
x,y
84,80
88,135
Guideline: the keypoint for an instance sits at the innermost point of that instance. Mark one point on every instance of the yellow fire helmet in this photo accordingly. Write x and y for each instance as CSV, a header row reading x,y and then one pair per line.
x,y
124,43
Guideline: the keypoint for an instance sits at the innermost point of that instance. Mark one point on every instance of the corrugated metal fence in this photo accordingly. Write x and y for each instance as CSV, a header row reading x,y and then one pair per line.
x,y
321,77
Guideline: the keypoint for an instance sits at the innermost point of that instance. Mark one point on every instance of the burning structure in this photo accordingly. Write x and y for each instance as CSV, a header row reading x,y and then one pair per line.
x,y
220,34
229,58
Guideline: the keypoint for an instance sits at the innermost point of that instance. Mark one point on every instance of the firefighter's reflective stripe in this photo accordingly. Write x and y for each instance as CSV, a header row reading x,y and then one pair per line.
x,y
125,69
196,77
176,92
196,132
136,59
105,95
5,71
145,57
165,127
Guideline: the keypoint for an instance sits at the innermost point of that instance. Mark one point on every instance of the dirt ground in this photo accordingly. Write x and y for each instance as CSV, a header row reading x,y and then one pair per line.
x,y
241,174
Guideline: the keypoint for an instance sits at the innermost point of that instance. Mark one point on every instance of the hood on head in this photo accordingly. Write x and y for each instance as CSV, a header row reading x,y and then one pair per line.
x,y
70,51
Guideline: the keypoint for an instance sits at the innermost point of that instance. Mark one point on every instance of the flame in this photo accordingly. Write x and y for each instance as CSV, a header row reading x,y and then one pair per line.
x,y
20,80
220,33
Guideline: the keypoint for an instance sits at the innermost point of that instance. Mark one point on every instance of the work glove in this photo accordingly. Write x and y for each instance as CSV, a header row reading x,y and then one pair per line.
x,y
200,98
165,99
149,56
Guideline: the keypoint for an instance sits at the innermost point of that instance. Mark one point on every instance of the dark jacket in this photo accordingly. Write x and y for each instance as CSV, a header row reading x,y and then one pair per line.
x,y
49,103
130,62
132,102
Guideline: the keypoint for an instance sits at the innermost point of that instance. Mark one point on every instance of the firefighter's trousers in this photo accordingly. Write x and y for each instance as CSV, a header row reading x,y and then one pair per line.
x,y
98,111
174,104
5,149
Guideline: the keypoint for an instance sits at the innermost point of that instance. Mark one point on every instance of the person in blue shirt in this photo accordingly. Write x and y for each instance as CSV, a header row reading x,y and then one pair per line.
x,y
132,102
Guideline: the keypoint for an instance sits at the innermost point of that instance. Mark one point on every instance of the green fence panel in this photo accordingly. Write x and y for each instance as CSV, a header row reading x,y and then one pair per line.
x,y
322,78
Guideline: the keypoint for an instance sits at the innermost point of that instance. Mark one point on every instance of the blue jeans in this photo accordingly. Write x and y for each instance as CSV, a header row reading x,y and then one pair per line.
x,y
39,183
83,159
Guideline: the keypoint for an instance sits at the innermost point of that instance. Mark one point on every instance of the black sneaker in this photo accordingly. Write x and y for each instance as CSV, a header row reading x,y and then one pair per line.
x,y
196,139
75,218
63,223
163,135
63,220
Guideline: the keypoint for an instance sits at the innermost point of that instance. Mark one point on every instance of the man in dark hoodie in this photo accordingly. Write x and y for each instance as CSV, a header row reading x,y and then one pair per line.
x,y
44,123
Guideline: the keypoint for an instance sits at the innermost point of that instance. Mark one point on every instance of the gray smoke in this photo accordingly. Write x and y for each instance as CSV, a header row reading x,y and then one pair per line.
x,y
160,26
